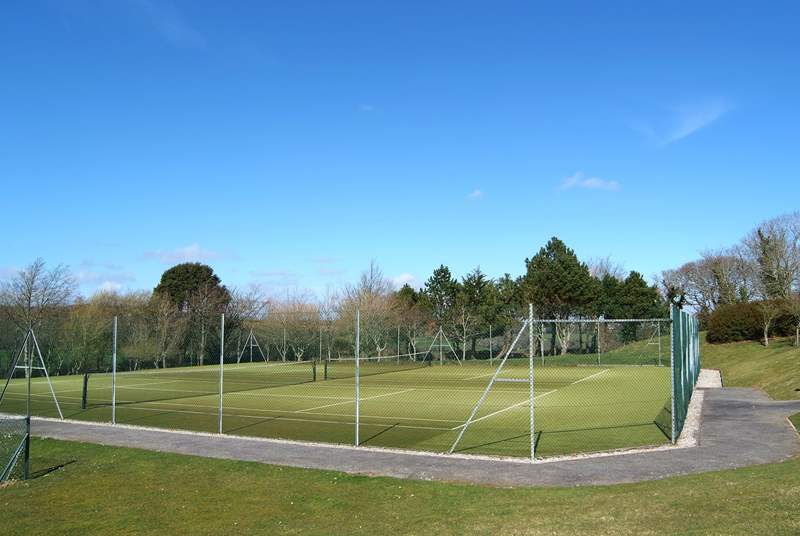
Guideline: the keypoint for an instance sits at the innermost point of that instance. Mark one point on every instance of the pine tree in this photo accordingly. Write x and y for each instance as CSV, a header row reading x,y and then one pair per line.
x,y
440,294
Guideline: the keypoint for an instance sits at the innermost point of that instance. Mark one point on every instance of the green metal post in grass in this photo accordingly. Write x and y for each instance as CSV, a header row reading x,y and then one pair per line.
x,y
530,379
114,374
358,369
221,371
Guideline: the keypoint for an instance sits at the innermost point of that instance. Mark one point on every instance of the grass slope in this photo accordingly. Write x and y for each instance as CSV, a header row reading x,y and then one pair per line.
x,y
101,490
775,369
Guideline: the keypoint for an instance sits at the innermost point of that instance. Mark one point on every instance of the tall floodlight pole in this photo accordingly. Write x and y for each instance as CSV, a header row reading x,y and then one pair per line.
x,y
530,378
358,368
221,370
114,374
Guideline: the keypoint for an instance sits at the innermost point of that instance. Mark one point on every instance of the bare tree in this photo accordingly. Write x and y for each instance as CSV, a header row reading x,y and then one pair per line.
x,y
168,326
35,292
774,247
204,305
372,295
328,308
600,267
768,312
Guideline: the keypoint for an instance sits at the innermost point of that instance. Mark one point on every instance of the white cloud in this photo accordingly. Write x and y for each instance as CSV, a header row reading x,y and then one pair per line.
x,y
89,277
192,252
109,286
579,180
690,119
405,279
477,193
682,121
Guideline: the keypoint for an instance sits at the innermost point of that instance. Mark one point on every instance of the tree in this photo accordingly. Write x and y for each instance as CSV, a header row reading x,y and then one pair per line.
x,y
773,248
439,294
608,300
559,286
719,277
181,281
411,314
373,296
168,326
469,309
637,299
35,292
196,291
768,312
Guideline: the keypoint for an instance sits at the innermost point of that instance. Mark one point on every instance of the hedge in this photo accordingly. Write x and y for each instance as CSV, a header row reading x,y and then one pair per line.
x,y
742,322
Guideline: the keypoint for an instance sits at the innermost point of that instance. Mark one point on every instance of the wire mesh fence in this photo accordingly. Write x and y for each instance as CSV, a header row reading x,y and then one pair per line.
x,y
522,387
13,433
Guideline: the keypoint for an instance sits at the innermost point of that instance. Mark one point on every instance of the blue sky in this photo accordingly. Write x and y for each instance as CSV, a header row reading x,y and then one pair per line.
x,y
289,143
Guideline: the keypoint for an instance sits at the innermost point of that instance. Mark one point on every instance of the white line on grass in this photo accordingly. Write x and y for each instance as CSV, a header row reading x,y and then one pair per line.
x,y
353,400
524,402
479,376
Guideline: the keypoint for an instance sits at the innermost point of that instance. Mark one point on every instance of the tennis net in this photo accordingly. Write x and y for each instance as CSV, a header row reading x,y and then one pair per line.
x,y
188,382
343,368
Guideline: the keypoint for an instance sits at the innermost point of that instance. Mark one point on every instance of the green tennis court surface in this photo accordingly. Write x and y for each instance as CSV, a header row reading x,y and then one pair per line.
x,y
577,408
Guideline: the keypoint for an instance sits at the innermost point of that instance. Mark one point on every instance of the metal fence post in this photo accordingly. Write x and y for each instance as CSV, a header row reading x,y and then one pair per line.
x,y
114,375
358,369
597,343
530,379
221,371
490,343
672,370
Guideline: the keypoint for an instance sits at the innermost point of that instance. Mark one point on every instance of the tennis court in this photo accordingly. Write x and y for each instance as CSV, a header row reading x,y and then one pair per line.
x,y
405,403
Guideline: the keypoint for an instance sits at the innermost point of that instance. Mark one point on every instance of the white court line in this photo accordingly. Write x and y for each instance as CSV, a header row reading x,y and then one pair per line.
x,y
588,377
480,376
281,416
504,409
527,401
133,405
353,400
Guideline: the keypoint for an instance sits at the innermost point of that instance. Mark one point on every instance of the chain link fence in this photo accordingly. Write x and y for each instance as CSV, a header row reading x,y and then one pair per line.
x,y
522,387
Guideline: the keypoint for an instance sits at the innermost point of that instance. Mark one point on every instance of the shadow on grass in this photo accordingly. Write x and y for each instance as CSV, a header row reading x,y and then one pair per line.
x,y
373,436
497,442
44,472
245,426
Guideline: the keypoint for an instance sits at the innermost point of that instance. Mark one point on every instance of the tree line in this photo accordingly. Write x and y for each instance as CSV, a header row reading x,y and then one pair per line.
x,y
762,269
177,323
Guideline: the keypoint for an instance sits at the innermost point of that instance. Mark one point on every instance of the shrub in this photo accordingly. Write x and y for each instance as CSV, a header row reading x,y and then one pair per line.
x,y
742,322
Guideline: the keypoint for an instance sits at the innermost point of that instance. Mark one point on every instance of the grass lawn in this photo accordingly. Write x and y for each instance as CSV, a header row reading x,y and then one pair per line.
x,y
103,490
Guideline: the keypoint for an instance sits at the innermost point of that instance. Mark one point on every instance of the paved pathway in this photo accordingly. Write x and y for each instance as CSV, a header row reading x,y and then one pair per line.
x,y
740,427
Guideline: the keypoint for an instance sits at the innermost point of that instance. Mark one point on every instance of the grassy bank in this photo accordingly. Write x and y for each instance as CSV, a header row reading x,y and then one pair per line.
x,y
775,369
